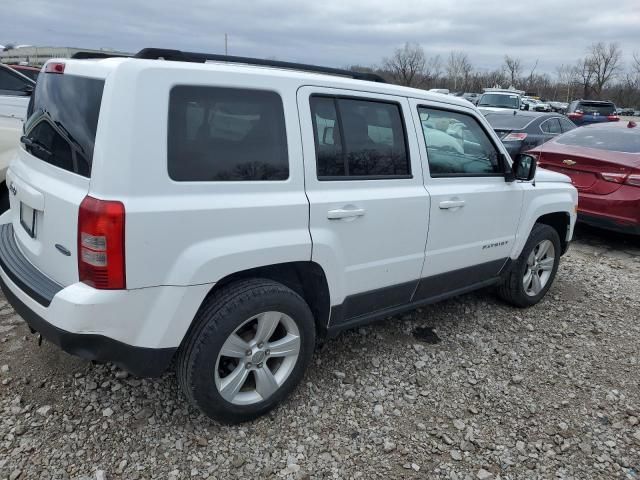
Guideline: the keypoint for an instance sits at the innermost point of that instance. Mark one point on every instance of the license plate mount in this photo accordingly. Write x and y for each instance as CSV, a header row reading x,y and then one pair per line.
x,y
28,219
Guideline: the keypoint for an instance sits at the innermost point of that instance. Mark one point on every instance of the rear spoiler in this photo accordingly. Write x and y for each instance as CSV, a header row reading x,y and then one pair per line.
x,y
82,55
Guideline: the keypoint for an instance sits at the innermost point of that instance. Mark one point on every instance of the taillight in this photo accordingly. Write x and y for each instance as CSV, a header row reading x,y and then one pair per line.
x,y
613,177
54,67
576,114
515,137
633,180
613,118
101,244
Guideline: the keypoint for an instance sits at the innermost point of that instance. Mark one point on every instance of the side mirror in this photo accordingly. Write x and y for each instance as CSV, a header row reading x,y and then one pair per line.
x,y
28,90
525,106
524,167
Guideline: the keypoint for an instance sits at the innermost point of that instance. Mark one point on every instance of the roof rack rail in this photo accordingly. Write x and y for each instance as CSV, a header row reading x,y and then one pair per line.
x,y
180,56
82,55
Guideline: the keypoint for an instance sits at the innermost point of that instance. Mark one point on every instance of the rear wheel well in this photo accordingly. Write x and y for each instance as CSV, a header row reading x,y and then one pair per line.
x,y
560,222
307,279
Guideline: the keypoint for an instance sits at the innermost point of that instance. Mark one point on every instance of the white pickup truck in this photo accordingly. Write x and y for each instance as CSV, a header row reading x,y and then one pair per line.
x,y
15,92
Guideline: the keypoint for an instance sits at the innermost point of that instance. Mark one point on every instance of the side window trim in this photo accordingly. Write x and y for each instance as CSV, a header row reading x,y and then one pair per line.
x,y
501,157
348,177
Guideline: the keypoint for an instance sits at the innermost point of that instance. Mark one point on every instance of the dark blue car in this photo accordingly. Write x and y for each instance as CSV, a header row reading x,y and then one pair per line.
x,y
585,112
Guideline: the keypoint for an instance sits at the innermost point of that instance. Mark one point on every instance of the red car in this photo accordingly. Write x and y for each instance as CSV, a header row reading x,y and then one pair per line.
x,y
603,161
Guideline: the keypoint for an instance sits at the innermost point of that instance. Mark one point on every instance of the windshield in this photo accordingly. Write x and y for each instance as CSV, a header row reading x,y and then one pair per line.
x,y
499,100
625,140
62,120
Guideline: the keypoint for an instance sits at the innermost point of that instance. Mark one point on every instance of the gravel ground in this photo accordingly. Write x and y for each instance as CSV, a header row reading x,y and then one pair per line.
x,y
548,392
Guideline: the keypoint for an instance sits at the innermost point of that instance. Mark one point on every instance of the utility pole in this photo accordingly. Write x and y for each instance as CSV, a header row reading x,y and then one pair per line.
x,y
226,51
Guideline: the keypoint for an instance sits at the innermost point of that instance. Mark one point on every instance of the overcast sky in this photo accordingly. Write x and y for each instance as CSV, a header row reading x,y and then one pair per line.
x,y
332,32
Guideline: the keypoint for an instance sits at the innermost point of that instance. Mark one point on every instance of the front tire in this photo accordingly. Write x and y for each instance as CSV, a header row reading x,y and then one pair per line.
x,y
249,347
533,272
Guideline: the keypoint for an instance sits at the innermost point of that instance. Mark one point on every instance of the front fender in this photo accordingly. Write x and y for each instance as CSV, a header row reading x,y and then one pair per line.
x,y
543,199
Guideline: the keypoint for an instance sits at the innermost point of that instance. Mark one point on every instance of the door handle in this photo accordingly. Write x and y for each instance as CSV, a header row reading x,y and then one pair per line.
x,y
451,204
340,213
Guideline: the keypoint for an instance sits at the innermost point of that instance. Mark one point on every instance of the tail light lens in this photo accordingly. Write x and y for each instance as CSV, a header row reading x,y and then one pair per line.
x,y
613,118
101,261
515,137
633,180
576,114
613,177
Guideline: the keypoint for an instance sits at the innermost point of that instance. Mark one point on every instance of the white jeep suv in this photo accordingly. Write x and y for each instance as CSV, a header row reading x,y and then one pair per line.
x,y
227,216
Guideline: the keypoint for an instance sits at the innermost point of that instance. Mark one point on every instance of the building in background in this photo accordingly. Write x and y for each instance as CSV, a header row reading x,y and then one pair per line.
x,y
37,56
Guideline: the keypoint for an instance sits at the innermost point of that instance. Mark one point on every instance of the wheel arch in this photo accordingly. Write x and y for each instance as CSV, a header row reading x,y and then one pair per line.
x,y
551,206
561,223
306,278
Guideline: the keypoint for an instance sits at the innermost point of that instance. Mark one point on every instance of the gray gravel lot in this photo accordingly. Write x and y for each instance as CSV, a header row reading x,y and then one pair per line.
x,y
548,392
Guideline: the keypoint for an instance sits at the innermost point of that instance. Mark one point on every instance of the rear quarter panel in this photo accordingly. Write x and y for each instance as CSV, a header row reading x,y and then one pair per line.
x,y
186,233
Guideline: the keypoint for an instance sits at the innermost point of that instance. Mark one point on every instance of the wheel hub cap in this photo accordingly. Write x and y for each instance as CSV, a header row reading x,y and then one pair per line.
x,y
539,268
257,358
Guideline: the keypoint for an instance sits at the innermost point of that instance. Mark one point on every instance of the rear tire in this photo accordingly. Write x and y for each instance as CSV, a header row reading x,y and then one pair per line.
x,y
238,338
532,274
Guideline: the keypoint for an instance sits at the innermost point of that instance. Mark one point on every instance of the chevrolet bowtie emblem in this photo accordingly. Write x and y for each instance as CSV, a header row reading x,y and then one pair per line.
x,y
568,162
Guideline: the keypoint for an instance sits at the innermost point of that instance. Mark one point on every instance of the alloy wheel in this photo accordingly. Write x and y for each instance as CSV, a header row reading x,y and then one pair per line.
x,y
539,268
257,358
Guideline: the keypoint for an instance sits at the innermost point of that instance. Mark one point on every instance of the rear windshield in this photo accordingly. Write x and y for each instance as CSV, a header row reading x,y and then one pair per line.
x,y
599,108
62,121
508,122
625,140
499,100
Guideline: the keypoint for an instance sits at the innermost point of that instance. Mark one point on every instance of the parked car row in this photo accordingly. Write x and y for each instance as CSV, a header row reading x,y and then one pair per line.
x,y
590,144
15,91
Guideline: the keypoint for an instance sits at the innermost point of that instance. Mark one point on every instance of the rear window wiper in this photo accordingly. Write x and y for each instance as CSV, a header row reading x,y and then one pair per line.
x,y
35,144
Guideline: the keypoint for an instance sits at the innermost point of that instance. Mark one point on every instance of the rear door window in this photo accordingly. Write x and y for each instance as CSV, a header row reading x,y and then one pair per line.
x,y
551,126
359,139
62,121
567,124
226,134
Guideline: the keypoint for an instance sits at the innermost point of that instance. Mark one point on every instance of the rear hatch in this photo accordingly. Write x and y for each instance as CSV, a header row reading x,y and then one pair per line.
x,y
596,112
50,176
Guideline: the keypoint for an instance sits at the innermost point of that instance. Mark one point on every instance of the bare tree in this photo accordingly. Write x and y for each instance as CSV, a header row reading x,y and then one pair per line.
x,y
531,76
433,69
605,62
407,65
636,63
458,69
583,73
513,66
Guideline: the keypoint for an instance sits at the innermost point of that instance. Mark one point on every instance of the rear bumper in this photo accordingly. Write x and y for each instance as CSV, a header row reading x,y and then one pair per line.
x,y
619,210
140,361
138,330
609,224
